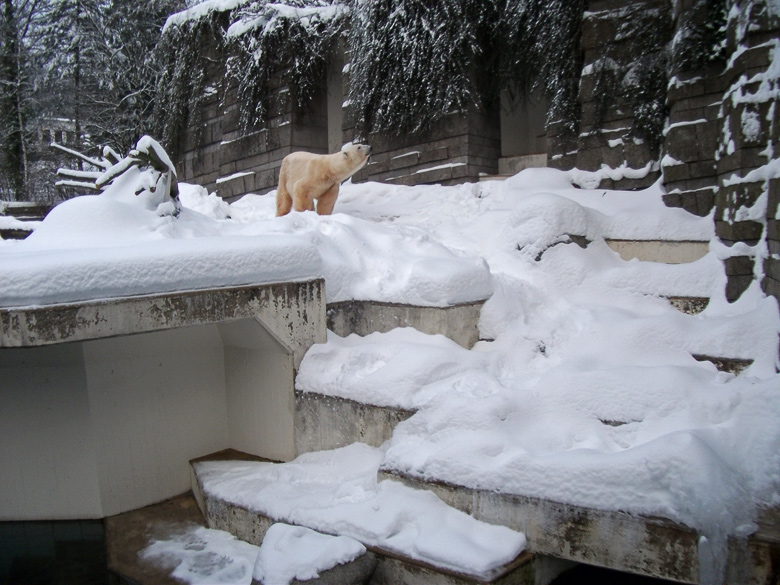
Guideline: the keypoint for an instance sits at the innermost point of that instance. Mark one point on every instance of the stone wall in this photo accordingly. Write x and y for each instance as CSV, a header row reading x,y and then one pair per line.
x,y
748,162
606,123
457,149
231,161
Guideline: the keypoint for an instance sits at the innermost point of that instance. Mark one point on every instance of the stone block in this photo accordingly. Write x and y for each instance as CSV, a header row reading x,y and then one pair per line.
x,y
673,199
705,202
736,285
772,268
739,266
741,231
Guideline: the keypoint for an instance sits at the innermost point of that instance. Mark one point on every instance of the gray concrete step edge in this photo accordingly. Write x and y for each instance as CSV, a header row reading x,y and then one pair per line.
x,y
643,545
329,422
251,526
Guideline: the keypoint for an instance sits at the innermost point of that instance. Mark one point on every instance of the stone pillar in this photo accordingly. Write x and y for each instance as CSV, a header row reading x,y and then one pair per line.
x,y
748,151
606,135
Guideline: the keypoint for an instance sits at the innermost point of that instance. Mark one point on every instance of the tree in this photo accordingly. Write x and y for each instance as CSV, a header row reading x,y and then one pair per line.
x,y
82,64
18,18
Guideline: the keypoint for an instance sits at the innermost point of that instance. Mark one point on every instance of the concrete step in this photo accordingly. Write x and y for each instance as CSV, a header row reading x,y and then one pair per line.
x,y
641,545
391,569
666,252
458,322
329,422
689,305
25,210
14,233
725,364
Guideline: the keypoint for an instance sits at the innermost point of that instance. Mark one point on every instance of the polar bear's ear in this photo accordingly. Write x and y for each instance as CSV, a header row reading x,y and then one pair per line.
x,y
345,154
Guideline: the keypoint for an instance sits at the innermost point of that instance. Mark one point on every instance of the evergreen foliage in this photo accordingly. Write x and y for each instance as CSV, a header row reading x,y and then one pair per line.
x,y
81,66
291,41
701,36
181,90
412,62
539,44
633,72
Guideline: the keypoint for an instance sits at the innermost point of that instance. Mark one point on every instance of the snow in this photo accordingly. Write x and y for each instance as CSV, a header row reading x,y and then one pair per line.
x,y
200,556
584,389
200,10
295,552
337,491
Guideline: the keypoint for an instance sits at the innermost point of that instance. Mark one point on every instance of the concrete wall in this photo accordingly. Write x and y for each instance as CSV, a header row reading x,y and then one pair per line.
x,y
96,428
104,403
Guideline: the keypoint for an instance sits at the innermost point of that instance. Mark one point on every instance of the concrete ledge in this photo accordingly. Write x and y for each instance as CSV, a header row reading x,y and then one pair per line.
x,y
329,422
292,312
649,546
666,252
615,540
141,386
689,305
458,322
391,568
725,364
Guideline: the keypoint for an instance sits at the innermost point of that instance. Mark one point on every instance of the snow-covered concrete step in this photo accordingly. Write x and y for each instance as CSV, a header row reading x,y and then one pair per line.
x,y
417,538
458,322
641,545
689,305
666,252
725,364
329,422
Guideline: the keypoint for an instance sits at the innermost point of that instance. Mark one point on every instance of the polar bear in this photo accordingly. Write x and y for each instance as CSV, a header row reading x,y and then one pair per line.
x,y
306,176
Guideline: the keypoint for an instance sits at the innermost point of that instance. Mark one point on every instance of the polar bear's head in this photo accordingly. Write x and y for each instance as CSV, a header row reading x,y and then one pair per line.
x,y
355,156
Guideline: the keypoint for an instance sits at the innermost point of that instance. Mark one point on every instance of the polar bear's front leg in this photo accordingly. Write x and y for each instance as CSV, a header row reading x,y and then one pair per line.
x,y
327,200
303,199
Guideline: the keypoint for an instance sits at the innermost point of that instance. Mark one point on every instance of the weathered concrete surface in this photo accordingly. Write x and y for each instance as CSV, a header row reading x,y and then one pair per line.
x,y
356,572
391,569
689,305
666,252
329,422
650,546
458,322
294,313
725,364
128,534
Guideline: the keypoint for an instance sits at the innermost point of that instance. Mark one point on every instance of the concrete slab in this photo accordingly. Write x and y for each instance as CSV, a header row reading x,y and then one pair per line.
x,y
129,533
689,305
293,312
666,252
458,322
251,526
648,546
329,422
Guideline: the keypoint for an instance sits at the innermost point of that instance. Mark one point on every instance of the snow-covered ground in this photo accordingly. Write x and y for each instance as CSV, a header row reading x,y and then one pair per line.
x,y
584,390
